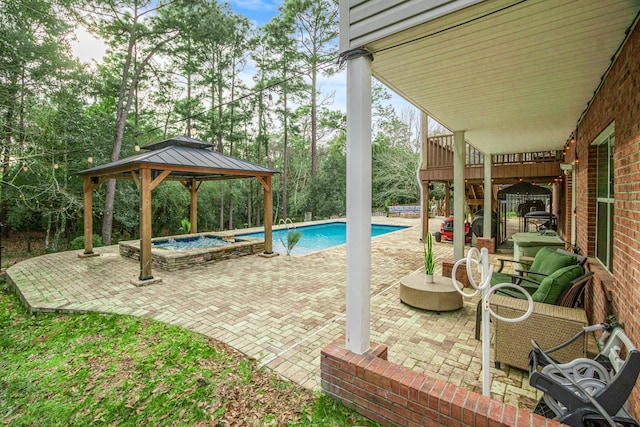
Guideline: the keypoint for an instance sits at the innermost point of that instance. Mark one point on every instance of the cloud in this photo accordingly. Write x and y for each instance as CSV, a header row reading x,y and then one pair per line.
x,y
86,47
337,85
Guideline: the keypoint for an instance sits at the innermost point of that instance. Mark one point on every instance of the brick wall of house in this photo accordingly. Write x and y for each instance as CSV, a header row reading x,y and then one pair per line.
x,y
618,101
394,395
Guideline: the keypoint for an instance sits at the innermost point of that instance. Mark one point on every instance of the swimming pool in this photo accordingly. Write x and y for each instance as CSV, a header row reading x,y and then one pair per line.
x,y
319,236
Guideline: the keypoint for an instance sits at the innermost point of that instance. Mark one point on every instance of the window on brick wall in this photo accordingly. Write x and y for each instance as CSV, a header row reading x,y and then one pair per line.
x,y
604,209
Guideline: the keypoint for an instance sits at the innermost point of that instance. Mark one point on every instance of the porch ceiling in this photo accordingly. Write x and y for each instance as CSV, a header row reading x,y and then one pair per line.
x,y
515,75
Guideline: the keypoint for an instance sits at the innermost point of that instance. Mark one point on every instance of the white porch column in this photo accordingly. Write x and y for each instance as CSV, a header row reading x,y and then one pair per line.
x,y
458,195
424,189
488,198
358,203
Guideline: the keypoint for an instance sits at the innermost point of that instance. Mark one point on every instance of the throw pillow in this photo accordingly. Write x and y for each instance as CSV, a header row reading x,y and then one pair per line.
x,y
553,285
547,261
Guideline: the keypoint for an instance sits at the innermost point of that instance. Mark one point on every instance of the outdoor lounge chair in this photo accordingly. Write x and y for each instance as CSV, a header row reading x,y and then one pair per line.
x,y
558,273
551,322
550,325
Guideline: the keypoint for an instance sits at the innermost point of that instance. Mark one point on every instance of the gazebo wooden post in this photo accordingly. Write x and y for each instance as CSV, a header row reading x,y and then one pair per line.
x,y
88,216
193,190
268,214
145,225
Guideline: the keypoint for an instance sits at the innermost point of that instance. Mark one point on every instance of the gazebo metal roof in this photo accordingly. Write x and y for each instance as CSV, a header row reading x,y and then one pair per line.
x,y
186,157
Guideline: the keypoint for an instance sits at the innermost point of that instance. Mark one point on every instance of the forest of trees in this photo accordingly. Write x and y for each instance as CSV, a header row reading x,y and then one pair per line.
x,y
180,67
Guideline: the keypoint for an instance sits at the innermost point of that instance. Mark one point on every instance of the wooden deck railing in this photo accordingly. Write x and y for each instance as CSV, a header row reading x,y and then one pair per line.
x,y
440,154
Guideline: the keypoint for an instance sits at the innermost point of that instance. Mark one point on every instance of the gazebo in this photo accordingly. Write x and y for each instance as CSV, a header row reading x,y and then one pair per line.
x,y
181,159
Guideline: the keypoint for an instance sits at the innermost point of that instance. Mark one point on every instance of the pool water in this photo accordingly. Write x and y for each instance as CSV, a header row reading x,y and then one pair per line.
x,y
184,244
320,236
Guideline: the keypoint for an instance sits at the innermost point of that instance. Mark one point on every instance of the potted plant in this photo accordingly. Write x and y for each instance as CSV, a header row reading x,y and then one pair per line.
x,y
292,239
429,262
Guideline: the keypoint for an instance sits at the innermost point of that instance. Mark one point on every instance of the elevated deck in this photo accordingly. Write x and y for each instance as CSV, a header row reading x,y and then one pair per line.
x,y
541,166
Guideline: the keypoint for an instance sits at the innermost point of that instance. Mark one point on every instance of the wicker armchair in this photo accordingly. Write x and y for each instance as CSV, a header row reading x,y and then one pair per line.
x,y
549,325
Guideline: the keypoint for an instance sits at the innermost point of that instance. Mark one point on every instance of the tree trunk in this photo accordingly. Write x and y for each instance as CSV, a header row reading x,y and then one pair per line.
x,y
258,221
314,120
46,236
125,99
250,192
121,118
189,105
220,99
231,118
285,164
249,207
6,155
222,207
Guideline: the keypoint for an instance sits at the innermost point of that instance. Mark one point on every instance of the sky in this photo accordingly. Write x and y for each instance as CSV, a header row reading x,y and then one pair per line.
x,y
88,48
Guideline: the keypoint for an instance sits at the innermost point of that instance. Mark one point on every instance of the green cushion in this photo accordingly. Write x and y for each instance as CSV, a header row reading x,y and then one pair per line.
x,y
500,278
497,278
548,260
552,286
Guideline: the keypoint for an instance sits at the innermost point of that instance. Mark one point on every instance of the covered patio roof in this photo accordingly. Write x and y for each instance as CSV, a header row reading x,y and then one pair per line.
x,y
513,75
506,76
181,159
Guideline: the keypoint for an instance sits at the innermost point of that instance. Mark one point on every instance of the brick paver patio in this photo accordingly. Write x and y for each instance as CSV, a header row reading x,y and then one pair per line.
x,y
280,312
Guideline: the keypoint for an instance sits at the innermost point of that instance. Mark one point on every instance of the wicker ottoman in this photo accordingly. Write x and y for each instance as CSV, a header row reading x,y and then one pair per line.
x,y
549,325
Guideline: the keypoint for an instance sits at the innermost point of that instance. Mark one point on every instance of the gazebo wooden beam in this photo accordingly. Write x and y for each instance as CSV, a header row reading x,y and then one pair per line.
x,y
131,175
157,180
268,213
136,180
145,225
88,216
89,185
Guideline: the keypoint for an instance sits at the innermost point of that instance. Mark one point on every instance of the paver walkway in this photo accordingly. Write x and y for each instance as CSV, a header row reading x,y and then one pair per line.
x,y
280,312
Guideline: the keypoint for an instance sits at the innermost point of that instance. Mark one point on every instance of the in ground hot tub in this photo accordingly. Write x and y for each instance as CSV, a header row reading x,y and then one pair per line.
x,y
177,252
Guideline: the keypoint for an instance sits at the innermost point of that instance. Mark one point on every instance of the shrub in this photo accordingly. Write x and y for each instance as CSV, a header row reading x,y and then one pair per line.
x,y
78,242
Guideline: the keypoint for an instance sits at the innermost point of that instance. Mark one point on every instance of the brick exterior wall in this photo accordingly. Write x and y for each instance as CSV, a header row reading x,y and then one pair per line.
x,y
394,395
617,101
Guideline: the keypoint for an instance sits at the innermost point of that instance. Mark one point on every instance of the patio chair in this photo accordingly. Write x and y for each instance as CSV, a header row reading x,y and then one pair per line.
x,y
545,262
548,324
563,286
585,391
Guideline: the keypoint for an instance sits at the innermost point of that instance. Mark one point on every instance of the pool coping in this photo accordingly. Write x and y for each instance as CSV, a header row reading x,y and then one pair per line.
x,y
171,260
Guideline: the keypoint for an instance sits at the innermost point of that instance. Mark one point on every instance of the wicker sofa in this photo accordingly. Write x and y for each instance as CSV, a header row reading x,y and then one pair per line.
x,y
548,324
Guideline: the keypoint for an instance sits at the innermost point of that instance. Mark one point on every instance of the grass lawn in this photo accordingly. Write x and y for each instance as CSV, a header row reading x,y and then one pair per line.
x,y
95,369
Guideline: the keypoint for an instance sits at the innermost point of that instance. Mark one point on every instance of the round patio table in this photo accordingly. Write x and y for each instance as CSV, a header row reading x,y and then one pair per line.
x,y
440,295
